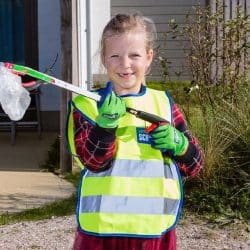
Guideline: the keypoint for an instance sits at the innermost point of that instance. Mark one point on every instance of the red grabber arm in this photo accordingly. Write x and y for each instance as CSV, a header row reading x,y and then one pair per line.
x,y
155,120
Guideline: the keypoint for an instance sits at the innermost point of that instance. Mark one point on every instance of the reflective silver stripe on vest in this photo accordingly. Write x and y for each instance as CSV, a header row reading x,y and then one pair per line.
x,y
128,204
135,168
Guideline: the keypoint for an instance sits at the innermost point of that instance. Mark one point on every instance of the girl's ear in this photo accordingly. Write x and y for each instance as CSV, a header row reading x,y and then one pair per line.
x,y
103,60
150,55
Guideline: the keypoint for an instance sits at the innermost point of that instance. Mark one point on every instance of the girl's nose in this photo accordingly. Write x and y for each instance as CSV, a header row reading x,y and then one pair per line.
x,y
125,61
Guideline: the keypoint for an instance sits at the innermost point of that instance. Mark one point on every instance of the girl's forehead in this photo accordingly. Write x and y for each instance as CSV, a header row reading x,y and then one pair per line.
x,y
132,37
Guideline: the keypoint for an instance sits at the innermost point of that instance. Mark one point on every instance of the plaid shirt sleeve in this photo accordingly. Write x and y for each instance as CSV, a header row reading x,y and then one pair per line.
x,y
95,146
192,161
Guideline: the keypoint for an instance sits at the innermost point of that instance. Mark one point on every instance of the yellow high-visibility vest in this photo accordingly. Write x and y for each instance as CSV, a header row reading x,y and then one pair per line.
x,y
141,194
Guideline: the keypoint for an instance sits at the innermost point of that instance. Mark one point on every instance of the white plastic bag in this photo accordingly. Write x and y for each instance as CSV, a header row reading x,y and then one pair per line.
x,y
14,98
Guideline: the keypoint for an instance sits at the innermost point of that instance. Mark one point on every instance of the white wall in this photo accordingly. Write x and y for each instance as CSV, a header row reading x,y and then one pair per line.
x,y
101,9
99,16
49,46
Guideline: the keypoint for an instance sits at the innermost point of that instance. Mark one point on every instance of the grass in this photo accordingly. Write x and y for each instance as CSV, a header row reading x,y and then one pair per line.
x,y
222,191
57,208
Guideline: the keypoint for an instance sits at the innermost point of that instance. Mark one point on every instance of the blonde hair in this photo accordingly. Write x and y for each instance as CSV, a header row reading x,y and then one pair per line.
x,y
123,23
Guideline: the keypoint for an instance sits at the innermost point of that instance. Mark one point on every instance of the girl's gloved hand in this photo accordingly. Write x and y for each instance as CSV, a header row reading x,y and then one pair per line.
x,y
167,137
110,108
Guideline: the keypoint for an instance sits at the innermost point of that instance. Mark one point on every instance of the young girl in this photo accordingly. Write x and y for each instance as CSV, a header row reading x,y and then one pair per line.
x,y
130,193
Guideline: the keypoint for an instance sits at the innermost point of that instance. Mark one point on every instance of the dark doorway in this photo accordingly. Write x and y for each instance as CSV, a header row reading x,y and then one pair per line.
x,y
18,32
19,45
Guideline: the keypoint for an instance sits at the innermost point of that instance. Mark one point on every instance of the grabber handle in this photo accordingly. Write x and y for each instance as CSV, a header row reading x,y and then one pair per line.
x,y
155,120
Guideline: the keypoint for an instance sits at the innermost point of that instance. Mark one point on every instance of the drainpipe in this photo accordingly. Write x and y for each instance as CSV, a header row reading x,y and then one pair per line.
x,y
88,44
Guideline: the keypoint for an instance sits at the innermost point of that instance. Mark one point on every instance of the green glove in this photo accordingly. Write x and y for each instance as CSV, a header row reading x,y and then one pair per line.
x,y
167,137
110,110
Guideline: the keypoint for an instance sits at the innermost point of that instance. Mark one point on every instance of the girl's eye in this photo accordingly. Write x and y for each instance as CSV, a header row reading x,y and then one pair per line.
x,y
135,55
113,56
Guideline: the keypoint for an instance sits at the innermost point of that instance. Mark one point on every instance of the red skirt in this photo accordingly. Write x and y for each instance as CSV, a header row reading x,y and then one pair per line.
x,y
88,242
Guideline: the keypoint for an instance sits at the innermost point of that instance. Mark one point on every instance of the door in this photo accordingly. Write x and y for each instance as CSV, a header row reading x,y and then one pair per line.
x,y
18,32
19,44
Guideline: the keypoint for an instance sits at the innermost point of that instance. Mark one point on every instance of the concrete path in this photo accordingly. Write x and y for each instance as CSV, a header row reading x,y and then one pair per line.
x,y
28,153
22,184
24,190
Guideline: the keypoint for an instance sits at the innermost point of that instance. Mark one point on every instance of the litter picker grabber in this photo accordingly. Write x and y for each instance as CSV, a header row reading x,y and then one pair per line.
x,y
23,70
47,79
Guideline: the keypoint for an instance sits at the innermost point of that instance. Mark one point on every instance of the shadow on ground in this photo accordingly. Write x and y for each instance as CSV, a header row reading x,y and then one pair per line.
x,y
28,153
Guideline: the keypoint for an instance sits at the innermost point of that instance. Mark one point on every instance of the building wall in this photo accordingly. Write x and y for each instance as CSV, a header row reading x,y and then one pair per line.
x,y
49,47
161,11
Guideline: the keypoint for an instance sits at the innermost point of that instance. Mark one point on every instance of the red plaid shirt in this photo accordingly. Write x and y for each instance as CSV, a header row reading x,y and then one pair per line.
x,y
96,146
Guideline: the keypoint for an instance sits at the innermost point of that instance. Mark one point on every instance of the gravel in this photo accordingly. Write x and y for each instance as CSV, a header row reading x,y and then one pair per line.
x,y
58,233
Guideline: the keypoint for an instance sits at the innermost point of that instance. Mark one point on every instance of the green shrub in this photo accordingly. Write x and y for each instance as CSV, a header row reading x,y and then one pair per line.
x,y
223,187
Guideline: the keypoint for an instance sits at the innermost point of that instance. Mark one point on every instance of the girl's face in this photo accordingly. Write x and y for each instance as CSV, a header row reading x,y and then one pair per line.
x,y
126,61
